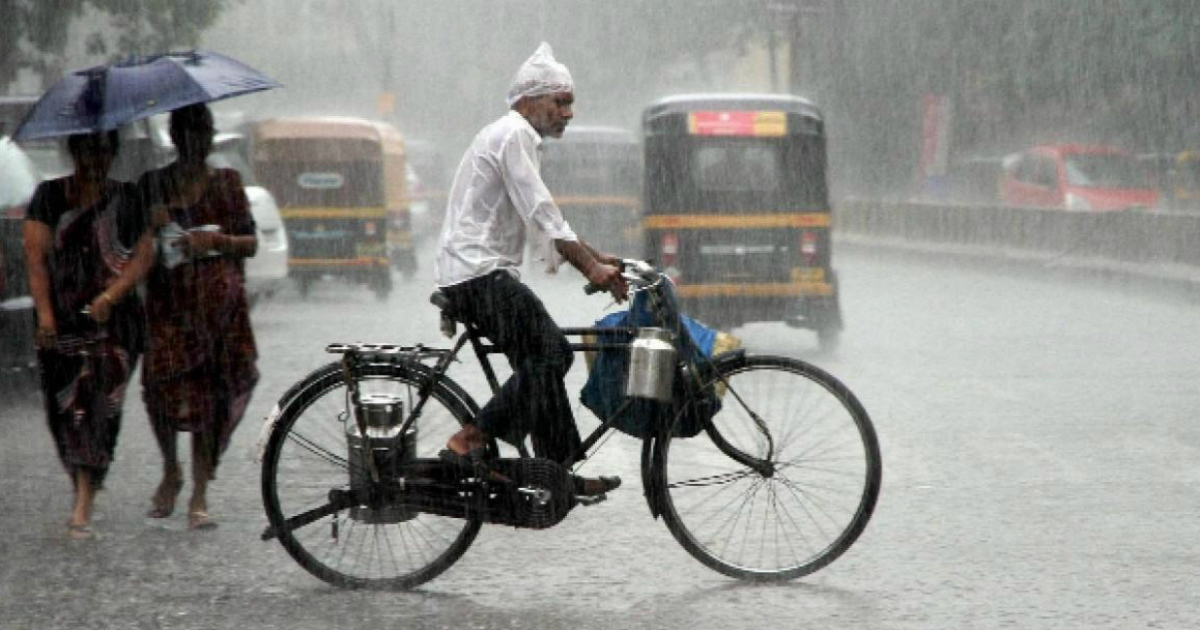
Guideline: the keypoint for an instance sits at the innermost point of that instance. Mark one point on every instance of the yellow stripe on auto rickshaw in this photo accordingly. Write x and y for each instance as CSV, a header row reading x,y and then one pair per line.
x,y
369,212
760,289
628,202
338,262
737,221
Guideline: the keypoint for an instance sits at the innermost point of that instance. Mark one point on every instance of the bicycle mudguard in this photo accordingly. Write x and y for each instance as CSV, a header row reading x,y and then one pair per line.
x,y
729,356
650,472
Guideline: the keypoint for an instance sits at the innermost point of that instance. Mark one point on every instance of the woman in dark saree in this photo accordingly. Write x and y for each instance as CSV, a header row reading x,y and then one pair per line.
x,y
87,246
200,368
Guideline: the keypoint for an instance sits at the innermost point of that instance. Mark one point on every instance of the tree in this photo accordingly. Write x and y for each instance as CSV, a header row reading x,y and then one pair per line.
x,y
33,33
149,26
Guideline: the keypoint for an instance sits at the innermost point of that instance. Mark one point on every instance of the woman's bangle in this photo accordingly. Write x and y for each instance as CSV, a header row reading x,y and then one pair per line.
x,y
106,296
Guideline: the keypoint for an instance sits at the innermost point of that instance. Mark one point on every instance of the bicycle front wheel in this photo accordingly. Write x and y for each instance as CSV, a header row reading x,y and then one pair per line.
x,y
814,499
309,455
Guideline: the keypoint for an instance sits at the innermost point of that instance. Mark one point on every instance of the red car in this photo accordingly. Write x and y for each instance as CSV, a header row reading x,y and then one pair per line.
x,y
1076,177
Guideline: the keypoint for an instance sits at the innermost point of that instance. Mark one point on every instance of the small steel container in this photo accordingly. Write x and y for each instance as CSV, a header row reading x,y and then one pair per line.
x,y
383,414
651,365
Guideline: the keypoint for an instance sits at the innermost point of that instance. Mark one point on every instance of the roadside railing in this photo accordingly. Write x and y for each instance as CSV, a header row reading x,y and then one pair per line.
x,y
1169,240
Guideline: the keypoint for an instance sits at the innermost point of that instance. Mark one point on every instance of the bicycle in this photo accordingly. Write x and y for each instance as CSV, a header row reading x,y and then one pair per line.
x,y
785,483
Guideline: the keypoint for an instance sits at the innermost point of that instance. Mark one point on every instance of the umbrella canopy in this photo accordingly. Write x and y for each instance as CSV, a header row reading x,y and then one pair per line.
x,y
106,97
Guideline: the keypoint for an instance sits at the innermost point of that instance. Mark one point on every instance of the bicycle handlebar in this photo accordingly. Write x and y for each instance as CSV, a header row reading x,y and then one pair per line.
x,y
640,274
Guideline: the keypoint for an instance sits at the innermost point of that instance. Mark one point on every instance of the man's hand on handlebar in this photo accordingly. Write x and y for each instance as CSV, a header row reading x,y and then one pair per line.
x,y
610,260
608,277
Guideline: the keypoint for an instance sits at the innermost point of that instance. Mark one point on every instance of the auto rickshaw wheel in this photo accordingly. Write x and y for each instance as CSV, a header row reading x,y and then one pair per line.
x,y
829,323
828,338
381,283
408,265
304,285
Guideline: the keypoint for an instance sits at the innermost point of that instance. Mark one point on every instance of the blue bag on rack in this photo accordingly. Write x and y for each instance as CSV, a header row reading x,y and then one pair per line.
x,y
604,392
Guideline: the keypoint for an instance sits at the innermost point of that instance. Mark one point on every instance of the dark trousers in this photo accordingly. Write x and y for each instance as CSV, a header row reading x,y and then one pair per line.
x,y
533,401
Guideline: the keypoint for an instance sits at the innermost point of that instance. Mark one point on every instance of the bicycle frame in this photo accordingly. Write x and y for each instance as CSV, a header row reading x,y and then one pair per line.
x,y
813,448
666,315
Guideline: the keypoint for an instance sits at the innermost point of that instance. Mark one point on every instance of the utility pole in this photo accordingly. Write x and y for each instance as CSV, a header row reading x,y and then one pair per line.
x,y
805,11
790,17
771,58
795,49
386,104
778,12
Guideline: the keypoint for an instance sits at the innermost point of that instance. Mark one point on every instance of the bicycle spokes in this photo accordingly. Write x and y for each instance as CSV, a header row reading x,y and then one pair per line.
x,y
787,480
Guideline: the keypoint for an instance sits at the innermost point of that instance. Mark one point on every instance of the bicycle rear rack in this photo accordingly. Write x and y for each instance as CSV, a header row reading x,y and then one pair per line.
x,y
386,352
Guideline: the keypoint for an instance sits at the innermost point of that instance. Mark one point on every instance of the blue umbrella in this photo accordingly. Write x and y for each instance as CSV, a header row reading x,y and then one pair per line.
x,y
106,97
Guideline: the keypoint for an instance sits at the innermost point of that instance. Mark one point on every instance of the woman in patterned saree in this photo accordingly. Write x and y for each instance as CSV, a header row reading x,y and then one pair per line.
x,y
86,246
200,360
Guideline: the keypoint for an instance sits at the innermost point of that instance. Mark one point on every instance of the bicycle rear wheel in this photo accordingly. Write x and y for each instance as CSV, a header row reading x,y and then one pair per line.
x,y
308,456
819,496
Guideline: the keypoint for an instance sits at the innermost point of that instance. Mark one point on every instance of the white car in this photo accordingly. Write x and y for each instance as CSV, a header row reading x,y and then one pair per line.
x,y
267,271
18,177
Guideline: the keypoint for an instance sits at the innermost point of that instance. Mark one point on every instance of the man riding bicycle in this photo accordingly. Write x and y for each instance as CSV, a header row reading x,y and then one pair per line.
x,y
497,192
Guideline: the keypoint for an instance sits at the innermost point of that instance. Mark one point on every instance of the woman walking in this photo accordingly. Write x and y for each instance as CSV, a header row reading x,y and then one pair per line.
x,y
86,245
200,361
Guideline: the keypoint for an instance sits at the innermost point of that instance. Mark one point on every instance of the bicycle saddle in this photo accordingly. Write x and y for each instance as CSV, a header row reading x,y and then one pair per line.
x,y
439,299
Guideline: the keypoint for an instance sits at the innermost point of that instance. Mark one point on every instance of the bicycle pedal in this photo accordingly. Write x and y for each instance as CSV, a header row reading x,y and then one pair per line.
x,y
590,500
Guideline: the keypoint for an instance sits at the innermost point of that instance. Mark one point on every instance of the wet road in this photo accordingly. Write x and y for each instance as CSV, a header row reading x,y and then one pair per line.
x,y
1039,442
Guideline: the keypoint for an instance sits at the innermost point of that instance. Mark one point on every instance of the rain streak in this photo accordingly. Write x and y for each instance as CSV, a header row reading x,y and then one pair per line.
x,y
573,314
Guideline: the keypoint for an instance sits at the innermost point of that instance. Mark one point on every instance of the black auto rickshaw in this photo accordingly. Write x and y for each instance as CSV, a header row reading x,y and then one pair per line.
x,y
595,176
401,244
428,187
1176,177
736,209
338,190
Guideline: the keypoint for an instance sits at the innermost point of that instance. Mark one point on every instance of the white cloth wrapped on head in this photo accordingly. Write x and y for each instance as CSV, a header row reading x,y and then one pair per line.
x,y
540,74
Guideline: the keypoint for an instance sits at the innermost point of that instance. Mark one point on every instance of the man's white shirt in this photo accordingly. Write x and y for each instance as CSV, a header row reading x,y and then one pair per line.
x,y
497,192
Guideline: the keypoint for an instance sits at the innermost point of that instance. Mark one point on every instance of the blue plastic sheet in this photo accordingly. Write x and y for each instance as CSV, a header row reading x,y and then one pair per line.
x,y
603,393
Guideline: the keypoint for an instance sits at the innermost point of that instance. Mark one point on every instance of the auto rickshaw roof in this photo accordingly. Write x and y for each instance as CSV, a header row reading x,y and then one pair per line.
x,y
684,103
1078,149
599,134
391,138
317,127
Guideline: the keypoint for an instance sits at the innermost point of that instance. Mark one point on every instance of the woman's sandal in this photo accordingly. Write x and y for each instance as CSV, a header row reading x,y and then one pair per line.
x,y
80,531
162,504
199,519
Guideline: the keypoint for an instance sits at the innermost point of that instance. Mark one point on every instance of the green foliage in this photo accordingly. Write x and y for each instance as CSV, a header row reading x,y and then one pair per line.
x,y
31,29
33,33
149,26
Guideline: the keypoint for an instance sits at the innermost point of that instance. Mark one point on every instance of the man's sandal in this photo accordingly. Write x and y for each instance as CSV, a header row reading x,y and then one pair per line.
x,y
598,487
